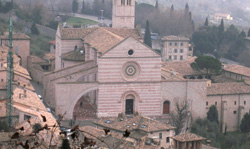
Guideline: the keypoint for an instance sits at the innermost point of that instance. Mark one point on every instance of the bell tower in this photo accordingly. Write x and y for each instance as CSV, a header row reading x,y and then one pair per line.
x,y
123,15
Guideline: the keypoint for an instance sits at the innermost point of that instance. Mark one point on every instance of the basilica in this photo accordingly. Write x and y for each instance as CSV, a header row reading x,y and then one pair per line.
x,y
104,71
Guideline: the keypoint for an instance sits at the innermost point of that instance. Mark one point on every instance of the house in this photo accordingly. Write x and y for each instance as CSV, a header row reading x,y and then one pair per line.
x,y
237,72
143,130
176,48
224,16
188,141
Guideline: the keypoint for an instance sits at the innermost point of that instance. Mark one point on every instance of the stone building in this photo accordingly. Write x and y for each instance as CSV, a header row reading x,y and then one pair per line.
x,y
101,72
237,72
188,141
176,48
21,46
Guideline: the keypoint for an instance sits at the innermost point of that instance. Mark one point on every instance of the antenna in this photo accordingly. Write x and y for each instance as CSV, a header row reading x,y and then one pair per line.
x,y
10,76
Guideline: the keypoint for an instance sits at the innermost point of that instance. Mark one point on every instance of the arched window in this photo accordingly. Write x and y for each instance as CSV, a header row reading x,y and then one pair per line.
x,y
192,77
122,2
200,77
166,107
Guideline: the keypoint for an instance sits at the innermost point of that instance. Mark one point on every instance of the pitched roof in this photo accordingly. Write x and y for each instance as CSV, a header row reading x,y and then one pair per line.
x,y
175,38
238,69
188,137
75,33
182,67
228,88
73,56
133,122
18,36
102,39
48,56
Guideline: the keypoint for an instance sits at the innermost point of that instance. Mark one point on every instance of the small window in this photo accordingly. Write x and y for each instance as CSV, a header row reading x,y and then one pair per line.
x,y
1,80
160,135
170,43
206,103
123,2
235,112
175,44
1,64
216,103
245,102
181,50
128,2
190,48
175,57
181,43
170,57
170,50
175,51
167,139
235,102
181,57
26,117
130,52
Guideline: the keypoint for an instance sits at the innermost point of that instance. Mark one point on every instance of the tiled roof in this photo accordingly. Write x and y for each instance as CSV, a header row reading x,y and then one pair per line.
x,y
75,33
22,72
238,69
181,67
4,53
188,137
170,75
16,36
49,56
175,38
93,131
73,56
102,39
228,88
133,122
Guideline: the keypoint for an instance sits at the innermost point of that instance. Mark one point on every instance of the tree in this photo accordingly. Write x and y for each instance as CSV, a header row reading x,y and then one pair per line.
x,y
245,123
180,115
206,22
156,4
34,29
207,64
147,36
248,34
212,114
243,34
74,6
83,7
65,144
221,28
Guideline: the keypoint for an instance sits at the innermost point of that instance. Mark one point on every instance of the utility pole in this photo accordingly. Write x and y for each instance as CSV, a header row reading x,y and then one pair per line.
x,y
10,76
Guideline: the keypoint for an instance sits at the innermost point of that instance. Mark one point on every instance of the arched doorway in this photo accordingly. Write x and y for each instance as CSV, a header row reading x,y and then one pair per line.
x,y
86,108
166,107
129,104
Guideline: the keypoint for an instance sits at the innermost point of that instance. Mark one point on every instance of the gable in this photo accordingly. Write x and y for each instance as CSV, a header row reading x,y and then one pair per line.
x,y
121,50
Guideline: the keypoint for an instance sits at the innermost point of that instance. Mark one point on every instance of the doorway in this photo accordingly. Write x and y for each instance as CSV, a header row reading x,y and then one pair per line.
x,y
129,109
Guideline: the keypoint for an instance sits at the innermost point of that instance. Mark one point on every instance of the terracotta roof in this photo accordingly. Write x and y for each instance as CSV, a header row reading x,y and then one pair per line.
x,y
80,33
73,56
228,88
53,42
75,33
19,70
4,53
181,67
170,75
48,56
102,39
3,109
16,36
188,137
93,131
175,38
238,69
133,122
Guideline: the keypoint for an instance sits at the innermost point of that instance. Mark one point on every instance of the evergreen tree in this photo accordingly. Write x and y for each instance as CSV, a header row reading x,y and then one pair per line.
x,y
245,123
65,144
172,8
147,36
212,114
34,29
243,34
206,22
74,6
156,4
186,8
248,34
83,7
221,27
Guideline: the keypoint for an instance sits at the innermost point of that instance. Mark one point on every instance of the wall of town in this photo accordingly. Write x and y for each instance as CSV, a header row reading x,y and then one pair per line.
x,y
194,91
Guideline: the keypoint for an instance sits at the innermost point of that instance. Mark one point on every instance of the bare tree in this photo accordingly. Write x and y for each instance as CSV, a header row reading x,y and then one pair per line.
x,y
180,115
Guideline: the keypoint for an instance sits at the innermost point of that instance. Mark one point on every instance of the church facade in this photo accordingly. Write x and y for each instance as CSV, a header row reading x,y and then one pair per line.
x,y
101,72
